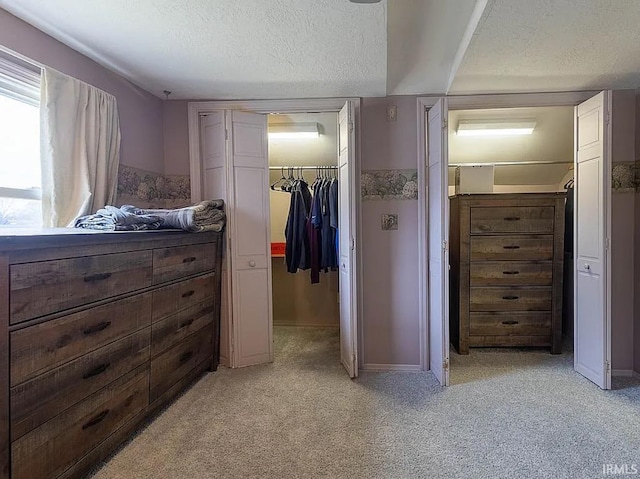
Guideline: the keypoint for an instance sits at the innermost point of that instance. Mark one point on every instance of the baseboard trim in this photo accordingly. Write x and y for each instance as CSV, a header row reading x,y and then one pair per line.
x,y
310,325
636,375
391,367
622,373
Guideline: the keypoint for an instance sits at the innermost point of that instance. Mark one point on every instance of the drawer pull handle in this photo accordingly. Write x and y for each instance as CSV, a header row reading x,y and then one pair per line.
x,y
510,323
510,298
97,328
96,371
190,259
185,357
96,277
186,323
511,272
511,247
512,218
95,420
188,293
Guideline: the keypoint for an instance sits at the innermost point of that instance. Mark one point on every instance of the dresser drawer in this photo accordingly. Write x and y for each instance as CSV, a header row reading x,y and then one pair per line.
x,y
512,219
170,367
40,348
510,324
510,299
515,247
511,273
181,261
38,400
169,331
176,297
46,452
50,286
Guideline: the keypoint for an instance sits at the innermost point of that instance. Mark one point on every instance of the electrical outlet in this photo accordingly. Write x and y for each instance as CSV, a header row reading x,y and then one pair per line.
x,y
392,113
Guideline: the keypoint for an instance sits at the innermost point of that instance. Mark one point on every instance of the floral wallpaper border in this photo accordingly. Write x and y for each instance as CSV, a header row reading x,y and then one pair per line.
x,y
389,185
148,189
625,177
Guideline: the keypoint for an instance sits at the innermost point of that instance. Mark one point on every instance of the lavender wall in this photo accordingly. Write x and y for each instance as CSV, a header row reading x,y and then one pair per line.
x,y
636,353
175,129
391,330
140,112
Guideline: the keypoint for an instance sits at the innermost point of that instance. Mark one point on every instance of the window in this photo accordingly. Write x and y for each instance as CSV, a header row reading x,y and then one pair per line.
x,y
20,178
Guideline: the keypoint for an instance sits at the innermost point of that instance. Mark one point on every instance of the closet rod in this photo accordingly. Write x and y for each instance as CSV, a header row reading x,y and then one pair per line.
x,y
514,163
323,167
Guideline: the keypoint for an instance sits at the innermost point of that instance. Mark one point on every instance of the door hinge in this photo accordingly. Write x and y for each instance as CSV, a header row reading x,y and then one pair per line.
x,y
445,124
607,243
445,245
607,367
445,365
350,127
226,134
353,244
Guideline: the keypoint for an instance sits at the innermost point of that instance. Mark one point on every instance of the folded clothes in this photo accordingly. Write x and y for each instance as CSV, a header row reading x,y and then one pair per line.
x,y
204,216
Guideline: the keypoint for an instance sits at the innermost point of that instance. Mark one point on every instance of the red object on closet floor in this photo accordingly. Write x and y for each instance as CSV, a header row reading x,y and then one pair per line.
x,y
278,250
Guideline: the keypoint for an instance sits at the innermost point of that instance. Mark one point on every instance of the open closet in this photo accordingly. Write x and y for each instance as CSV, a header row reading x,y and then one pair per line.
x,y
303,178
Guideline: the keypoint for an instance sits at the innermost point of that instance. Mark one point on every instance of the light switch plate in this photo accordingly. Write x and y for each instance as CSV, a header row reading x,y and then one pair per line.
x,y
389,222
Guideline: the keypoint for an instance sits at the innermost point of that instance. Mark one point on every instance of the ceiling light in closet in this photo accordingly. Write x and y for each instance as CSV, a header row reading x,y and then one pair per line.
x,y
293,131
495,127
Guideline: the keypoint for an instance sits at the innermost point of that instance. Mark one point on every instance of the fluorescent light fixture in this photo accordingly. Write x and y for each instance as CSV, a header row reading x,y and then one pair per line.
x,y
293,131
495,127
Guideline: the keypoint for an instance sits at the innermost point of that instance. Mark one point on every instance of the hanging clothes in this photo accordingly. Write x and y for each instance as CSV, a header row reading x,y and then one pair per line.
x,y
297,252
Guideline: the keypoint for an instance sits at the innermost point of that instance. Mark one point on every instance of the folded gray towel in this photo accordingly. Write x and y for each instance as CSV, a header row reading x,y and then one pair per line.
x,y
203,216
111,218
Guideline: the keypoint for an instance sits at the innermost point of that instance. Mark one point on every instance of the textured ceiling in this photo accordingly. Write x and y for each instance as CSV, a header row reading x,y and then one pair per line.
x,y
553,45
226,49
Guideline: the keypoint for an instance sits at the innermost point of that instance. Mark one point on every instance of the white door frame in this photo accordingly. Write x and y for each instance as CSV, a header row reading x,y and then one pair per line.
x,y
320,105
465,102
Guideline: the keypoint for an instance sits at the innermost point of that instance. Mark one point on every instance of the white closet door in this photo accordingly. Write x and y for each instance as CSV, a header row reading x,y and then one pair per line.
x,y
346,240
438,204
214,186
592,334
250,238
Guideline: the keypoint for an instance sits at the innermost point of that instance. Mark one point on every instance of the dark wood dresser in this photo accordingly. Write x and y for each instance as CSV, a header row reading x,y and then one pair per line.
x,y
97,332
506,257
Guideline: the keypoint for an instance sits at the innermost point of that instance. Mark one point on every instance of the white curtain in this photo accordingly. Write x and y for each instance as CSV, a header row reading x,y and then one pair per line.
x,y
80,141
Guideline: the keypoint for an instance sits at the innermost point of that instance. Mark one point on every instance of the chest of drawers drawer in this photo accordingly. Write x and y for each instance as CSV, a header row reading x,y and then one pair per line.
x,y
511,273
182,261
170,299
41,398
175,328
45,287
512,219
58,443
168,368
512,323
511,248
42,347
510,299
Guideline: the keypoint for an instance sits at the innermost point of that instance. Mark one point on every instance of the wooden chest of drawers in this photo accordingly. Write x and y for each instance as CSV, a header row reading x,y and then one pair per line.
x,y
506,257
99,330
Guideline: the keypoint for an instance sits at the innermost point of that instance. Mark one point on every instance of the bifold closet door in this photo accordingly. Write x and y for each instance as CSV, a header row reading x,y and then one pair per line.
x,y
249,233
438,239
592,334
346,239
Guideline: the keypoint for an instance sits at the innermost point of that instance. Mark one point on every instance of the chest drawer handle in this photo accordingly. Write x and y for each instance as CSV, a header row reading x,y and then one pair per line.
x,y
188,293
510,323
95,420
510,298
96,277
97,328
96,371
511,272
511,247
186,323
512,218
190,259
185,357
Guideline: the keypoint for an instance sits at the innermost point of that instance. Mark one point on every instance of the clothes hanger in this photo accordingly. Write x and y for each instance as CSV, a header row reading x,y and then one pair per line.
x,y
273,186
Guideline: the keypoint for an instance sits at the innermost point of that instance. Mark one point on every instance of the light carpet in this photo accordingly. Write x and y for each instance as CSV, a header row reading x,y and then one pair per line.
x,y
507,414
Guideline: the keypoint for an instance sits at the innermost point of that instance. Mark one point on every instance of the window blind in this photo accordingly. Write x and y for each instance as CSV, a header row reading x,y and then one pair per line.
x,y
19,80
